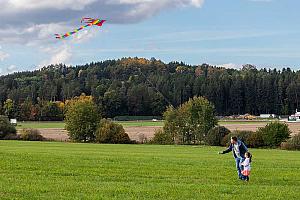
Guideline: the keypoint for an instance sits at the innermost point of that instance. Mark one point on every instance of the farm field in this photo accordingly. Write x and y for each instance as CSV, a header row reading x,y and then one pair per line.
x,y
51,170
41,125
137,129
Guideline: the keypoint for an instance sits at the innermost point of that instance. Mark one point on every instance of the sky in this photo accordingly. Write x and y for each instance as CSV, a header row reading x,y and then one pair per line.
x,y
227,33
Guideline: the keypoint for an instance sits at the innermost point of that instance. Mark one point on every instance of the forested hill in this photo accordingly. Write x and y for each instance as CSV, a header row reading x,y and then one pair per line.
x,y
136,86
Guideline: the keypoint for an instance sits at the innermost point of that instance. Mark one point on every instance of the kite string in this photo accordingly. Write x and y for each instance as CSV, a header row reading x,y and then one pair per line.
x,y
154,86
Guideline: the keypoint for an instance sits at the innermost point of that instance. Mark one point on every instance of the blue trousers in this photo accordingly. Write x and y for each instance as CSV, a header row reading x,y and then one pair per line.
x,y
239,167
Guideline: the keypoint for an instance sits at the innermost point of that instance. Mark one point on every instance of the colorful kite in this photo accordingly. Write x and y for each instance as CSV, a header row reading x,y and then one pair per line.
x,y
88,21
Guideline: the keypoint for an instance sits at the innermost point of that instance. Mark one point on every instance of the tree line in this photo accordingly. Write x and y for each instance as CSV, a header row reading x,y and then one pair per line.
x,y
138,86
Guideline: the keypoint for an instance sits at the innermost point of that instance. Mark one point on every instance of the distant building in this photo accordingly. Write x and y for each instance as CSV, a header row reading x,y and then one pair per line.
x,y
13,122
295,117
267,116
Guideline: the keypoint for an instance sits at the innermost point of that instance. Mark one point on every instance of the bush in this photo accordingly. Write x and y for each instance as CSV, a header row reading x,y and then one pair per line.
x,y
109,132
6,128
274,134
81,120
12,136
292,143
255,140
241,135
215,135
161,137
31,135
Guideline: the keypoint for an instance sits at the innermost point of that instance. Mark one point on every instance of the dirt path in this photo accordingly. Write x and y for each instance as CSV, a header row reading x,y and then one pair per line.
x,y
147,132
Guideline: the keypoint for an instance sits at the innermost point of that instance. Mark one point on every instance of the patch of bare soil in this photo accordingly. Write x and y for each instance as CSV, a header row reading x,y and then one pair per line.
x,y
294,127
141,133
57,134
147,132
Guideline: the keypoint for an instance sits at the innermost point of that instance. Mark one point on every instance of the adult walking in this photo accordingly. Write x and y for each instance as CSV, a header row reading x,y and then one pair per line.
x,y
238,149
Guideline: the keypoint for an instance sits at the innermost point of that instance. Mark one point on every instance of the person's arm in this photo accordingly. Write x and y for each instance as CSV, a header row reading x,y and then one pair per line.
x,y
227,150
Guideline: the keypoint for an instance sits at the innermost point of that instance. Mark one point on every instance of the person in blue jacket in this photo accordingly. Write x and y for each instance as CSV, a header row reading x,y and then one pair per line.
x,y
238,149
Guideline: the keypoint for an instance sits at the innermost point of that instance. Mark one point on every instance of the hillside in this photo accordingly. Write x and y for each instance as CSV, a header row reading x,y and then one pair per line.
x,y
137,86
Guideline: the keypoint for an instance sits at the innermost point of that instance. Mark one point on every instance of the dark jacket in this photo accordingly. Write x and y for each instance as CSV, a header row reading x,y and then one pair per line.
x,y
242,147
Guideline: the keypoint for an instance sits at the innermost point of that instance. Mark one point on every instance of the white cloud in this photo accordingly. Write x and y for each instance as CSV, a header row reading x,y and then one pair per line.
x,y
34,22
3,55
8,70
27,21
60,54
30,5
11,68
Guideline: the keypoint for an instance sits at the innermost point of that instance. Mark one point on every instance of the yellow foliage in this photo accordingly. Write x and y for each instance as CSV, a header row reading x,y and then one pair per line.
x,y
61,105
82,98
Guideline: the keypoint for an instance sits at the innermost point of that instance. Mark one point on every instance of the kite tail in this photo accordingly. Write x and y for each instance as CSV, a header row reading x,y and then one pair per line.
x,y
72,32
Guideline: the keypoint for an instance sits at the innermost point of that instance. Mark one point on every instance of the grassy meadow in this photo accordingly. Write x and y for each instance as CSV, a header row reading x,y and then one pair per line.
x,y
43,125
50,170
40,125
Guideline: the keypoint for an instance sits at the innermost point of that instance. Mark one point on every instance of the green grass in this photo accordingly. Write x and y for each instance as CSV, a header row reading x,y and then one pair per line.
x,y
42,125
35,170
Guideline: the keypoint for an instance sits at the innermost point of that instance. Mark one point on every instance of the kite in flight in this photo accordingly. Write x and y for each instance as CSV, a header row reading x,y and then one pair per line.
x,y
88,21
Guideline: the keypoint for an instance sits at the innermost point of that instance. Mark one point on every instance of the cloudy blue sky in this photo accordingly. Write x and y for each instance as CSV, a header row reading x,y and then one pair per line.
x,y
230,33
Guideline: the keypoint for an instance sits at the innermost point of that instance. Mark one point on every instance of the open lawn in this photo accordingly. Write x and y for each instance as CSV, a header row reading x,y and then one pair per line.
x,y
35,170
40,125
43,125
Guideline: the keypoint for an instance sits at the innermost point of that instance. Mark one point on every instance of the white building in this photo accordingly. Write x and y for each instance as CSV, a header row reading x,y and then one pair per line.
x,y
13,121
267,116
295,117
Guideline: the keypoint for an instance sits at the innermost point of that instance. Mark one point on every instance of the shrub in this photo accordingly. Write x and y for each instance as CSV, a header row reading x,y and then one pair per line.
x,y
141,138
31,135
162,137
81,120
215,135
274,134
255,140
292,143
6,128
241,135
11,136
109,132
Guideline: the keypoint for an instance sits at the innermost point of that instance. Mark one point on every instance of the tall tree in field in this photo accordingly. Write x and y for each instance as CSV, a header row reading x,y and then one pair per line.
x,y
82,119
191,121
9,108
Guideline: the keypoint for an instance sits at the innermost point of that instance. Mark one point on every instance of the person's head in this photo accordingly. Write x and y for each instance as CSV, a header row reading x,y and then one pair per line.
x,y
248,155
233,140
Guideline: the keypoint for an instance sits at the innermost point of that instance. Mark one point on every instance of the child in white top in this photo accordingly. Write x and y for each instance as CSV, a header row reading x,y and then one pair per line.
x,y
247,166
